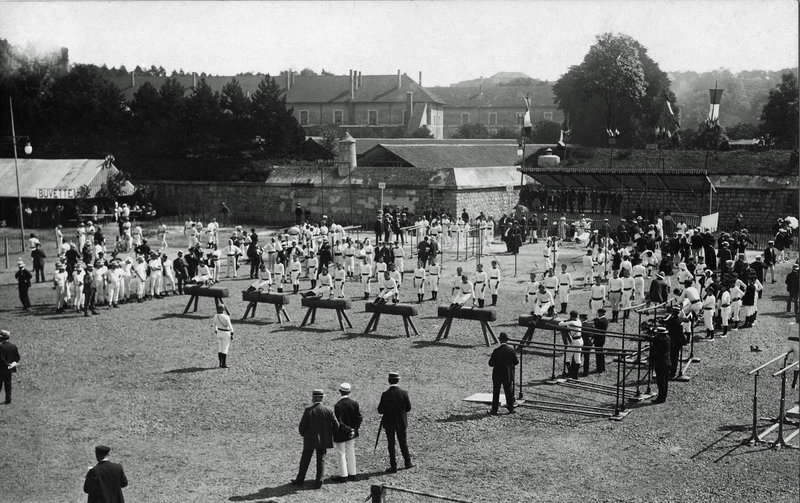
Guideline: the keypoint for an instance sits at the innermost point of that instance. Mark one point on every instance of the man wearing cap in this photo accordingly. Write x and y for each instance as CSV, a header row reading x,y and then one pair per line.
x,y
317,427
23,277
503,361
9,357
660,358
223,330
105,480
61,287
349,416
395,406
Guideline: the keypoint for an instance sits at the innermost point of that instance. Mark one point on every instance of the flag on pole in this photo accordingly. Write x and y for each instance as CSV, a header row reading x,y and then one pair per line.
x,y
526,123
713,110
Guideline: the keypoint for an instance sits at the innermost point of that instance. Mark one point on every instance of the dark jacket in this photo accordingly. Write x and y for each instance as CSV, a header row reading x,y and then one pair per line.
x,y
317,427
23,278
659,350
659,291
394,406
8,354
793,283
503,361
349,416
104,483
181,267
38,257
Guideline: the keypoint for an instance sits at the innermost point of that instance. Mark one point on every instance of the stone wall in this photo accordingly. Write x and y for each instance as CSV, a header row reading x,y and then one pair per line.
x,y
274,205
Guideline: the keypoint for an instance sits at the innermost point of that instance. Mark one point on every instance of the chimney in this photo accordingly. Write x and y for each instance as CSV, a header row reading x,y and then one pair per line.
x,y
288,79
420,79
133,80
358,83
399,80
409,106
347,155
291,76
194,80
352,85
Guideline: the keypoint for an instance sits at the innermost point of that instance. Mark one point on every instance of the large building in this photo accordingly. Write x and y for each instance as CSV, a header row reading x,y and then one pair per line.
x,y
372,104
496,106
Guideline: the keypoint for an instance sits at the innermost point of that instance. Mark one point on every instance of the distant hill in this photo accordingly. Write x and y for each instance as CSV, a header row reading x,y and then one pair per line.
x,y
498,79
744,94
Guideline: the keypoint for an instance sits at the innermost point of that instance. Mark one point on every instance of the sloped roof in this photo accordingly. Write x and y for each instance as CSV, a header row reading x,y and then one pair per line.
x,y
55,174
304,89
441,156
496,96
411,177
365,144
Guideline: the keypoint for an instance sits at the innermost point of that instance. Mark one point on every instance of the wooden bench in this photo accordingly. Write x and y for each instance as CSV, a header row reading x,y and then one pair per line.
x,y
479,314
197,291
404,310
314,303
276,299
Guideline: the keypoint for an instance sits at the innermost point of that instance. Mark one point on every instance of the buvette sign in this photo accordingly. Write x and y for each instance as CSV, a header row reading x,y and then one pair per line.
x,y
55,193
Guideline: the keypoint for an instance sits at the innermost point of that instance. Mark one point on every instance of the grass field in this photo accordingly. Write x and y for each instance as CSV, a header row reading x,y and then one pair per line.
x,y
143,379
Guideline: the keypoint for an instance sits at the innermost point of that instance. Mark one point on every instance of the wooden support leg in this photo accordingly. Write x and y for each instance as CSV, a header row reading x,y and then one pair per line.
x,y
369,324
491,332
413,327
253,314
485,335
339,317
445,325
189,305
529,333
405,325
196,298
377,317
285,315
447,330
307,316
313,315
350,325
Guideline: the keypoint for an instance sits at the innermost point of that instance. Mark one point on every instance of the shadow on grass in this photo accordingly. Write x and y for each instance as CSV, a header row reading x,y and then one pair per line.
x,y
270,492
188,316
371,335
314,328
189,370
256,321
458,418
424,344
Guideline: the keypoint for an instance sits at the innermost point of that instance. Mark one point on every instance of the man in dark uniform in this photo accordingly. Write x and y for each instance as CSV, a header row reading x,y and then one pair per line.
x,y
503,361
395,406
24,283
181,268
659,290
298,215
38,257
105,480
660,360
793,287
674,326
317,427
9,357
598,341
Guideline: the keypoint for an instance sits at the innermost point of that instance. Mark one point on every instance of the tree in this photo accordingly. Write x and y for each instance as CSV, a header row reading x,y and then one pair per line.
x,y
506,133
203,117
279,130
308,72
421,132
742,131
617,87
547,132
780,114
113,188
471,130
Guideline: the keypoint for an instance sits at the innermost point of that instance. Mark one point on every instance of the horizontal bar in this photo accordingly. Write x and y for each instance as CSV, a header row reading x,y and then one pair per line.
x,y
564,404
768,363
556,409
785,369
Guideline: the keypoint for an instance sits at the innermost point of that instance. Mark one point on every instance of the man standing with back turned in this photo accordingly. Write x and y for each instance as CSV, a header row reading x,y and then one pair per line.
x,y
105,480
394,406
317,428
503,361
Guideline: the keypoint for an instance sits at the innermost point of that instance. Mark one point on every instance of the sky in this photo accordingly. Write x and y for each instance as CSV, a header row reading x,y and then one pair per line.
x,y
448,41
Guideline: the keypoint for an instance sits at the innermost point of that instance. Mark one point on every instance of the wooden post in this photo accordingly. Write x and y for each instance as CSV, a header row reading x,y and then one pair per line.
x,y
6,250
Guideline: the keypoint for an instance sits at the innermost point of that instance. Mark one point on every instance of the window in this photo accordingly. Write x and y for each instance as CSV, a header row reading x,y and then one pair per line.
x,y
492,118
548,116
303,117
465,118
338,117
372,117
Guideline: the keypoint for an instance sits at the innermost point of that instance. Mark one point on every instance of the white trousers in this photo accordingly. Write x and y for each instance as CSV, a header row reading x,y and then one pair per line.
x,y
223,341
346,454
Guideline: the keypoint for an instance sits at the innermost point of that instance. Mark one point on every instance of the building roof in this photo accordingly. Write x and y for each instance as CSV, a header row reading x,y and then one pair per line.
x,y
70,174
304,89
421,155
365,144
496,96
411,177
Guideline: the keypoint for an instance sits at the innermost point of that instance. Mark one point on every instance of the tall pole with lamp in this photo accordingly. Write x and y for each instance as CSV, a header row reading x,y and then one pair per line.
x,y
28,150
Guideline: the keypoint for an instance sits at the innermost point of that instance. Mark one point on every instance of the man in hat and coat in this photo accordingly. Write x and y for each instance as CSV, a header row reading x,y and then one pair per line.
x,y
23,277
503,361
660,360
317,427
9,357
344,439
395,406
105,480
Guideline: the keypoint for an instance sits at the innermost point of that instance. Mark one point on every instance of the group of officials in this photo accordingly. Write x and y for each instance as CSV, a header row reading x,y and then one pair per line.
x,y
323,428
